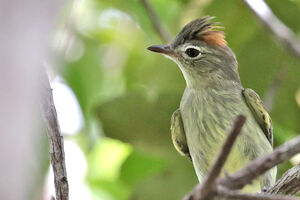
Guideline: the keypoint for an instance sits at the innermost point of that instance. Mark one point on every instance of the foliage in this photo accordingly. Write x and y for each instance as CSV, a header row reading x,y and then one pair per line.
x,y
132,92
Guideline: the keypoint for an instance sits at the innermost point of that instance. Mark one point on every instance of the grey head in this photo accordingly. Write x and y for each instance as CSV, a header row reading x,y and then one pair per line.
x,y
202,54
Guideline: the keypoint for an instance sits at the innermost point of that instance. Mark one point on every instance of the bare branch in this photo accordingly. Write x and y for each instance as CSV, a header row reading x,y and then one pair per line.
x,y
260,165
56,141
226,188
289,183
233,194
280,30
163,34
201,191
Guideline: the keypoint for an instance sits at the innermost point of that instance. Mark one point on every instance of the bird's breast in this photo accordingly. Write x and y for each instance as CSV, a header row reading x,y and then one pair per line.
x,y
208,117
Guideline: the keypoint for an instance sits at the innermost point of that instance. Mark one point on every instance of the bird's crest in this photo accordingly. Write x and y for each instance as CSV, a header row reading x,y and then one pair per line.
x,y
202,29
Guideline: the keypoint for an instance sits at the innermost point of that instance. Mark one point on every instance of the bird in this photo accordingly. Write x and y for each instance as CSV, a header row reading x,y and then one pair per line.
x,y
213,98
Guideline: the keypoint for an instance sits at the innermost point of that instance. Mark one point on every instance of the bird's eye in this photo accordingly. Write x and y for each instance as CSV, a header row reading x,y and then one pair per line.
x,y
192,52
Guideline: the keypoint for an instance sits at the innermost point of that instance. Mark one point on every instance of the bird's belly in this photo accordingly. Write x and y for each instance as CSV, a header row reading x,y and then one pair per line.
x,y
207,126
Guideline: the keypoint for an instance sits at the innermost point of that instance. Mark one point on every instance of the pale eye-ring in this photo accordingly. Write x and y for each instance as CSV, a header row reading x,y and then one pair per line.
x,y
192,52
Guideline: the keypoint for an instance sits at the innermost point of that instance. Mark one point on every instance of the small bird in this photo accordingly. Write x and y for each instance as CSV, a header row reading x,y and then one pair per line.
x,y
213,98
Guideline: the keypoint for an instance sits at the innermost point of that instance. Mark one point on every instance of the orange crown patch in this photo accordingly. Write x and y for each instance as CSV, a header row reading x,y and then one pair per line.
x,y
213,37
201,29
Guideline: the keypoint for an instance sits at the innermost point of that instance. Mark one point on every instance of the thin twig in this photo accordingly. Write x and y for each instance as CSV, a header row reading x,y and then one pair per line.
x,y
273,89
56,141
163,34
203,190
233,194
279,29
260,165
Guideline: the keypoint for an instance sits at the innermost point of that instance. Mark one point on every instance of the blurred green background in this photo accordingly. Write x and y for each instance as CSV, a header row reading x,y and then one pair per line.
x,y
127,94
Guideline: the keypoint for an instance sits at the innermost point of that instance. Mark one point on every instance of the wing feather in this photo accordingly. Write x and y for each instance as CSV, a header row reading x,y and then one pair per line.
x,y
259,112
178,134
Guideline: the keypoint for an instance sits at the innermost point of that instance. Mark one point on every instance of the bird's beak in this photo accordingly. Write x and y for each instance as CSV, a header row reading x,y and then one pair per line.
x,y
163,49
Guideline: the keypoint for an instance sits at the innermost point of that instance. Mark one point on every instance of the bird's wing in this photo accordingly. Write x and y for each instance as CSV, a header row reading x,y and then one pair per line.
x,y
178,134
259,112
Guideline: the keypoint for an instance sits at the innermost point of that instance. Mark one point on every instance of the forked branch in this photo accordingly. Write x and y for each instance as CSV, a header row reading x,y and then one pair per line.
x,y
228,187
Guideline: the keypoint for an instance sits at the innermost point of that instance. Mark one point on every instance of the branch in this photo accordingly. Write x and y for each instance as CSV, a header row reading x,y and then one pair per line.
x,y
280,30
226,187
260,165
233,194
203,190
56,141
289,183
163,34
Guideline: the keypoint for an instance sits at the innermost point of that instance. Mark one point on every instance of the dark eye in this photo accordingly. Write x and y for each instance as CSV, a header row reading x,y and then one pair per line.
x,y
191,52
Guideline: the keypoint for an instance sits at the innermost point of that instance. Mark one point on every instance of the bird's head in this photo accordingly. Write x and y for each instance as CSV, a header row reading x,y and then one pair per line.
x,y
202,54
